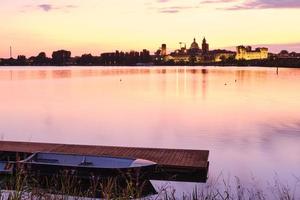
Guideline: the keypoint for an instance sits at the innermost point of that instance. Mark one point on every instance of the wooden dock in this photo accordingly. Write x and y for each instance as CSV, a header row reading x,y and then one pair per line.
x,y
175,164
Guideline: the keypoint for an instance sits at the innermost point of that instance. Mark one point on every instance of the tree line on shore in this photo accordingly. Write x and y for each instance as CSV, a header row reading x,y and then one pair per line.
x,y
63,58
133,58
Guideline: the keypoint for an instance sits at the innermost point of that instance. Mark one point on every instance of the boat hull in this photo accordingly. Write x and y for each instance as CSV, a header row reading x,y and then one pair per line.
x,y
86,172
84,166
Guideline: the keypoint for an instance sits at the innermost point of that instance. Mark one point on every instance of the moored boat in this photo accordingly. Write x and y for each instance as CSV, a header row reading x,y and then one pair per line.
x,y
84,165
83,172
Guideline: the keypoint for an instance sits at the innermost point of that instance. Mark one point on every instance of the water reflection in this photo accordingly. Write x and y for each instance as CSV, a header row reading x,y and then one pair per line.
x,y
247,117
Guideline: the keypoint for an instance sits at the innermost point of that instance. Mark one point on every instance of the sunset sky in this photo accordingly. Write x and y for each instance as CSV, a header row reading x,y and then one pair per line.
x,y
95,26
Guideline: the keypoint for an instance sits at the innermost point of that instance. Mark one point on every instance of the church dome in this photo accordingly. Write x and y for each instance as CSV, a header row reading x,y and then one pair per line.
x,y
195,45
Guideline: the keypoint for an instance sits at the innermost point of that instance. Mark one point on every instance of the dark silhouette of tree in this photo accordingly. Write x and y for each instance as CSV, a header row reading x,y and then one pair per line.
x,y
21,60
41,59
129,58
86,59
284,52
61,57
145,56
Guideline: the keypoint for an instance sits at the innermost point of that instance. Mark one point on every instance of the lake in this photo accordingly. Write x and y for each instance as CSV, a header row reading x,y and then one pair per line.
x,y
249,118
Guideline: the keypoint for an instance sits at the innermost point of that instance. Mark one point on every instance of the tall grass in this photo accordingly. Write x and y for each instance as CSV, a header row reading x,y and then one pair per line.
x,y
67,186
234,189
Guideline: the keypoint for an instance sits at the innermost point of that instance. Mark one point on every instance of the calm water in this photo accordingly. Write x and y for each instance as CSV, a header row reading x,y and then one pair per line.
x,y
249,118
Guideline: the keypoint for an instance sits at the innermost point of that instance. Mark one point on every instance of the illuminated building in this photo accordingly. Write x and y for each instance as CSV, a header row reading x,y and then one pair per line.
x,y
184,55
220,55
160,54
197,55
246,53
163,50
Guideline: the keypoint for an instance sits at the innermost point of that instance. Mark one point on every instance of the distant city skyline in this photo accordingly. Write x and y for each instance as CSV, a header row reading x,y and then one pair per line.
x,y
93,26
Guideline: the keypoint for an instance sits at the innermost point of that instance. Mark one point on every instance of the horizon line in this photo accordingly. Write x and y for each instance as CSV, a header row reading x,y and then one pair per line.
x,y
295,45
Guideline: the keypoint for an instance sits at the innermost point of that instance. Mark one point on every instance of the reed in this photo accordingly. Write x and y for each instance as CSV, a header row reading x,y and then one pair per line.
x,y
236,191
68,186
24,185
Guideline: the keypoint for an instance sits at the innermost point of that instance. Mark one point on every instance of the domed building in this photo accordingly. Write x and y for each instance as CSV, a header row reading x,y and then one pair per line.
x,y
194,45
194,49
195,54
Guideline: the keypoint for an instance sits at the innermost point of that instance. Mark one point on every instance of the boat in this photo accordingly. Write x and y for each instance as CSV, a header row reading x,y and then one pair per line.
x,y
84,166
56,170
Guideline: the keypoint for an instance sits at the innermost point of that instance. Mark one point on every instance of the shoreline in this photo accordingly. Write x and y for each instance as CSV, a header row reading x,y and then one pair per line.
x,y
141,67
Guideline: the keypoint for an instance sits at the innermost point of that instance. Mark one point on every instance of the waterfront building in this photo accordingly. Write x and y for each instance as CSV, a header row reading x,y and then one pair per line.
x,y
163,50
205,46
220,55
246,53
183,55
177,58
194,49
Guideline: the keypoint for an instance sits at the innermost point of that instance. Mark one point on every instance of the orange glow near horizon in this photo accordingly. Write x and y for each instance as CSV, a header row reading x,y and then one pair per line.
x,y
97,26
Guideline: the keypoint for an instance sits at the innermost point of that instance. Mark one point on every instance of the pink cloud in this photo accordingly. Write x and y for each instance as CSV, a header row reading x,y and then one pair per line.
x,y
256,4
50,7
266,4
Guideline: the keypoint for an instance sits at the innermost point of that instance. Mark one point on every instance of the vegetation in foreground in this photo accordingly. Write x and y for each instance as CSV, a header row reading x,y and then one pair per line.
x,y
65,186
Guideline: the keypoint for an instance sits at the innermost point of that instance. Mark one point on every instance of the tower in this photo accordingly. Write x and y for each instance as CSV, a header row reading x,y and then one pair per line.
x,y
10,52
163,50
205,46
